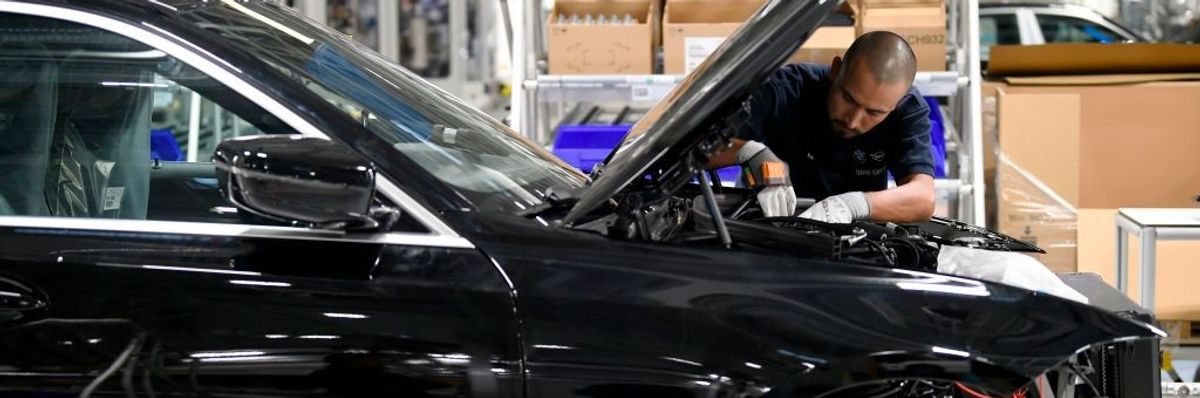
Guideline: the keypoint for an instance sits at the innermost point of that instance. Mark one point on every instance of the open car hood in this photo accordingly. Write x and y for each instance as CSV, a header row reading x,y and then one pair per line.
x,y
679,134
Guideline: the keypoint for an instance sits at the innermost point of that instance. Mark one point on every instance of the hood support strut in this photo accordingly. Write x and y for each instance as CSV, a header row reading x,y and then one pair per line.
x,y
715,212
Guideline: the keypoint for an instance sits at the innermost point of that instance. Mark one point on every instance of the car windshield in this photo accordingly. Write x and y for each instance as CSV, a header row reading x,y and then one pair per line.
x,y
486,162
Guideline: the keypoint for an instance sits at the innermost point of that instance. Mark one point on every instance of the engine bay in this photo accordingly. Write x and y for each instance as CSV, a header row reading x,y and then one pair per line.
x,y
670,204
685,218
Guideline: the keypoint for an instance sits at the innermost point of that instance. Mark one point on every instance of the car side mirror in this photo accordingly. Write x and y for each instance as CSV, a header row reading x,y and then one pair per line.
x,y
302,181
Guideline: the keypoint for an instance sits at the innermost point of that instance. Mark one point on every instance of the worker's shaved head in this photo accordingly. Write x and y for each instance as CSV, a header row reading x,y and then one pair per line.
x,y
885,55
868,84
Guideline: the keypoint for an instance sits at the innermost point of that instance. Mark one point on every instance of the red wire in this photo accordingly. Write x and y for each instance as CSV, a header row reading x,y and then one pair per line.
x,y
971,392
977,394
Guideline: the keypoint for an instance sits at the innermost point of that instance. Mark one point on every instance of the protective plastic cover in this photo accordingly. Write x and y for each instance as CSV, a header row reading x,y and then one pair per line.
x,y
1032,212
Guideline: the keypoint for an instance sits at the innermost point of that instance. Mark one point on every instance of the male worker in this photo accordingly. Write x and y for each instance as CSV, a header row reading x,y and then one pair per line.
x,y
834,131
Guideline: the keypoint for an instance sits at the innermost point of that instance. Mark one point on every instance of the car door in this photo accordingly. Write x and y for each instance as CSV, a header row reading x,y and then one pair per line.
x,y
123,272
997,27
1058,26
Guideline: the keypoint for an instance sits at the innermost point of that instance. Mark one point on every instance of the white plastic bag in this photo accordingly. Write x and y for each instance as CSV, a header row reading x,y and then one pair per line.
x,y
1009,268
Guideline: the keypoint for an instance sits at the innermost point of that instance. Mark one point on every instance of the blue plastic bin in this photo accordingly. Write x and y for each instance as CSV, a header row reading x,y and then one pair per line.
x,y
584,146
163,145
937,133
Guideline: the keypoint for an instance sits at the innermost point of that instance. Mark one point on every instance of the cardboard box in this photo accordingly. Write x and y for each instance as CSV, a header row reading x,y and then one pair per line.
x,y
693,29
824,44
1107,146
1175,295
1084,59
602,49
1075,148
861,4
923,27
1069,146
991,141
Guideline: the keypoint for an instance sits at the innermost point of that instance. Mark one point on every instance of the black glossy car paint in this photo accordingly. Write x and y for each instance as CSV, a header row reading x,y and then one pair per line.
x,y
232,316
702,319
532,310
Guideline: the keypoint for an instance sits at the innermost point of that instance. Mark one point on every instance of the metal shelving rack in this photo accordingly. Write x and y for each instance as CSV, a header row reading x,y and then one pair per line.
x,y
467,76
535,92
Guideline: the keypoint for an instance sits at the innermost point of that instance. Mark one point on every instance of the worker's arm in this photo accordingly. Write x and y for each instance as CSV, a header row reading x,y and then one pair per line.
x,y
912,200
727,156
763,106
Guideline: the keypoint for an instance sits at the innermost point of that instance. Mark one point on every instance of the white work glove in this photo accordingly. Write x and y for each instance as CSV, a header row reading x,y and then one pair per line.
x,y
769,174
840,209
777,201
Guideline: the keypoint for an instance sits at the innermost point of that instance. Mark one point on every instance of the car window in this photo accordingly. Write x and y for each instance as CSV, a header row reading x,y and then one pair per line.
x,y
96,125
484,162
1064,29
997,29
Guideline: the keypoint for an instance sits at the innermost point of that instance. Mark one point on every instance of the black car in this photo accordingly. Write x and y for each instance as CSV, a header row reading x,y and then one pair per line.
x,y
361,233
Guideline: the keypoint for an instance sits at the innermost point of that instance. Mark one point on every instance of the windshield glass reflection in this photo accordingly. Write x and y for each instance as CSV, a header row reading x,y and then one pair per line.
x,y
487,163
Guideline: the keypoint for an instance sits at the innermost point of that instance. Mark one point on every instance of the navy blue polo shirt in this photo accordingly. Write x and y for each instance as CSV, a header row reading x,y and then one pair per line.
x,y
789,114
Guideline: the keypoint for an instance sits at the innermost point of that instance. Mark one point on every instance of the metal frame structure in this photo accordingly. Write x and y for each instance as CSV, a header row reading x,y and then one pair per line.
x,y
534,92
467,77
1151,226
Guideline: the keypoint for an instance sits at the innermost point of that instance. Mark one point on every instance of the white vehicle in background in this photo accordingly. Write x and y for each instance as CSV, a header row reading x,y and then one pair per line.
x,y
1030,24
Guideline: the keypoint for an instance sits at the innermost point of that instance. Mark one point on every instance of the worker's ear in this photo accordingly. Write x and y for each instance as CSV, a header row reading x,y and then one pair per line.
x,y
835,67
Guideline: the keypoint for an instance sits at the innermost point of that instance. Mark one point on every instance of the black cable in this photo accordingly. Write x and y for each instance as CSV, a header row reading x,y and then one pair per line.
x,y
112,368
888,393
149,362
887,255
127,375
193,374
1074,368
742,207
158,366
906,244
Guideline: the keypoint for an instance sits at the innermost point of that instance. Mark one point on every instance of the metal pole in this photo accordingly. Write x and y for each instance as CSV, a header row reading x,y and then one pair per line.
x,y
389,29
520,119
538,38
193,144
508,26
459,36
218,123
714,211
314,9
1152,25
1149,240
975,116
1122,271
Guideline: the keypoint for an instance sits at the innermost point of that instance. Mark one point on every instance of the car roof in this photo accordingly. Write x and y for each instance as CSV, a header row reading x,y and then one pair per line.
x,y
1070,7
138,7
1002,6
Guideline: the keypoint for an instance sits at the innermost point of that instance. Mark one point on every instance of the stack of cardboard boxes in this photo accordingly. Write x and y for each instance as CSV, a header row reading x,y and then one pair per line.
x,y
693,29
687,31
921,22
1074,148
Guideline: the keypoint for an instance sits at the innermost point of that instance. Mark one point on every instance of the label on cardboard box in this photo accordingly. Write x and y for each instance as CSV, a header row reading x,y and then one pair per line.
x,y
1031,213
648,92
696,49
923,27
